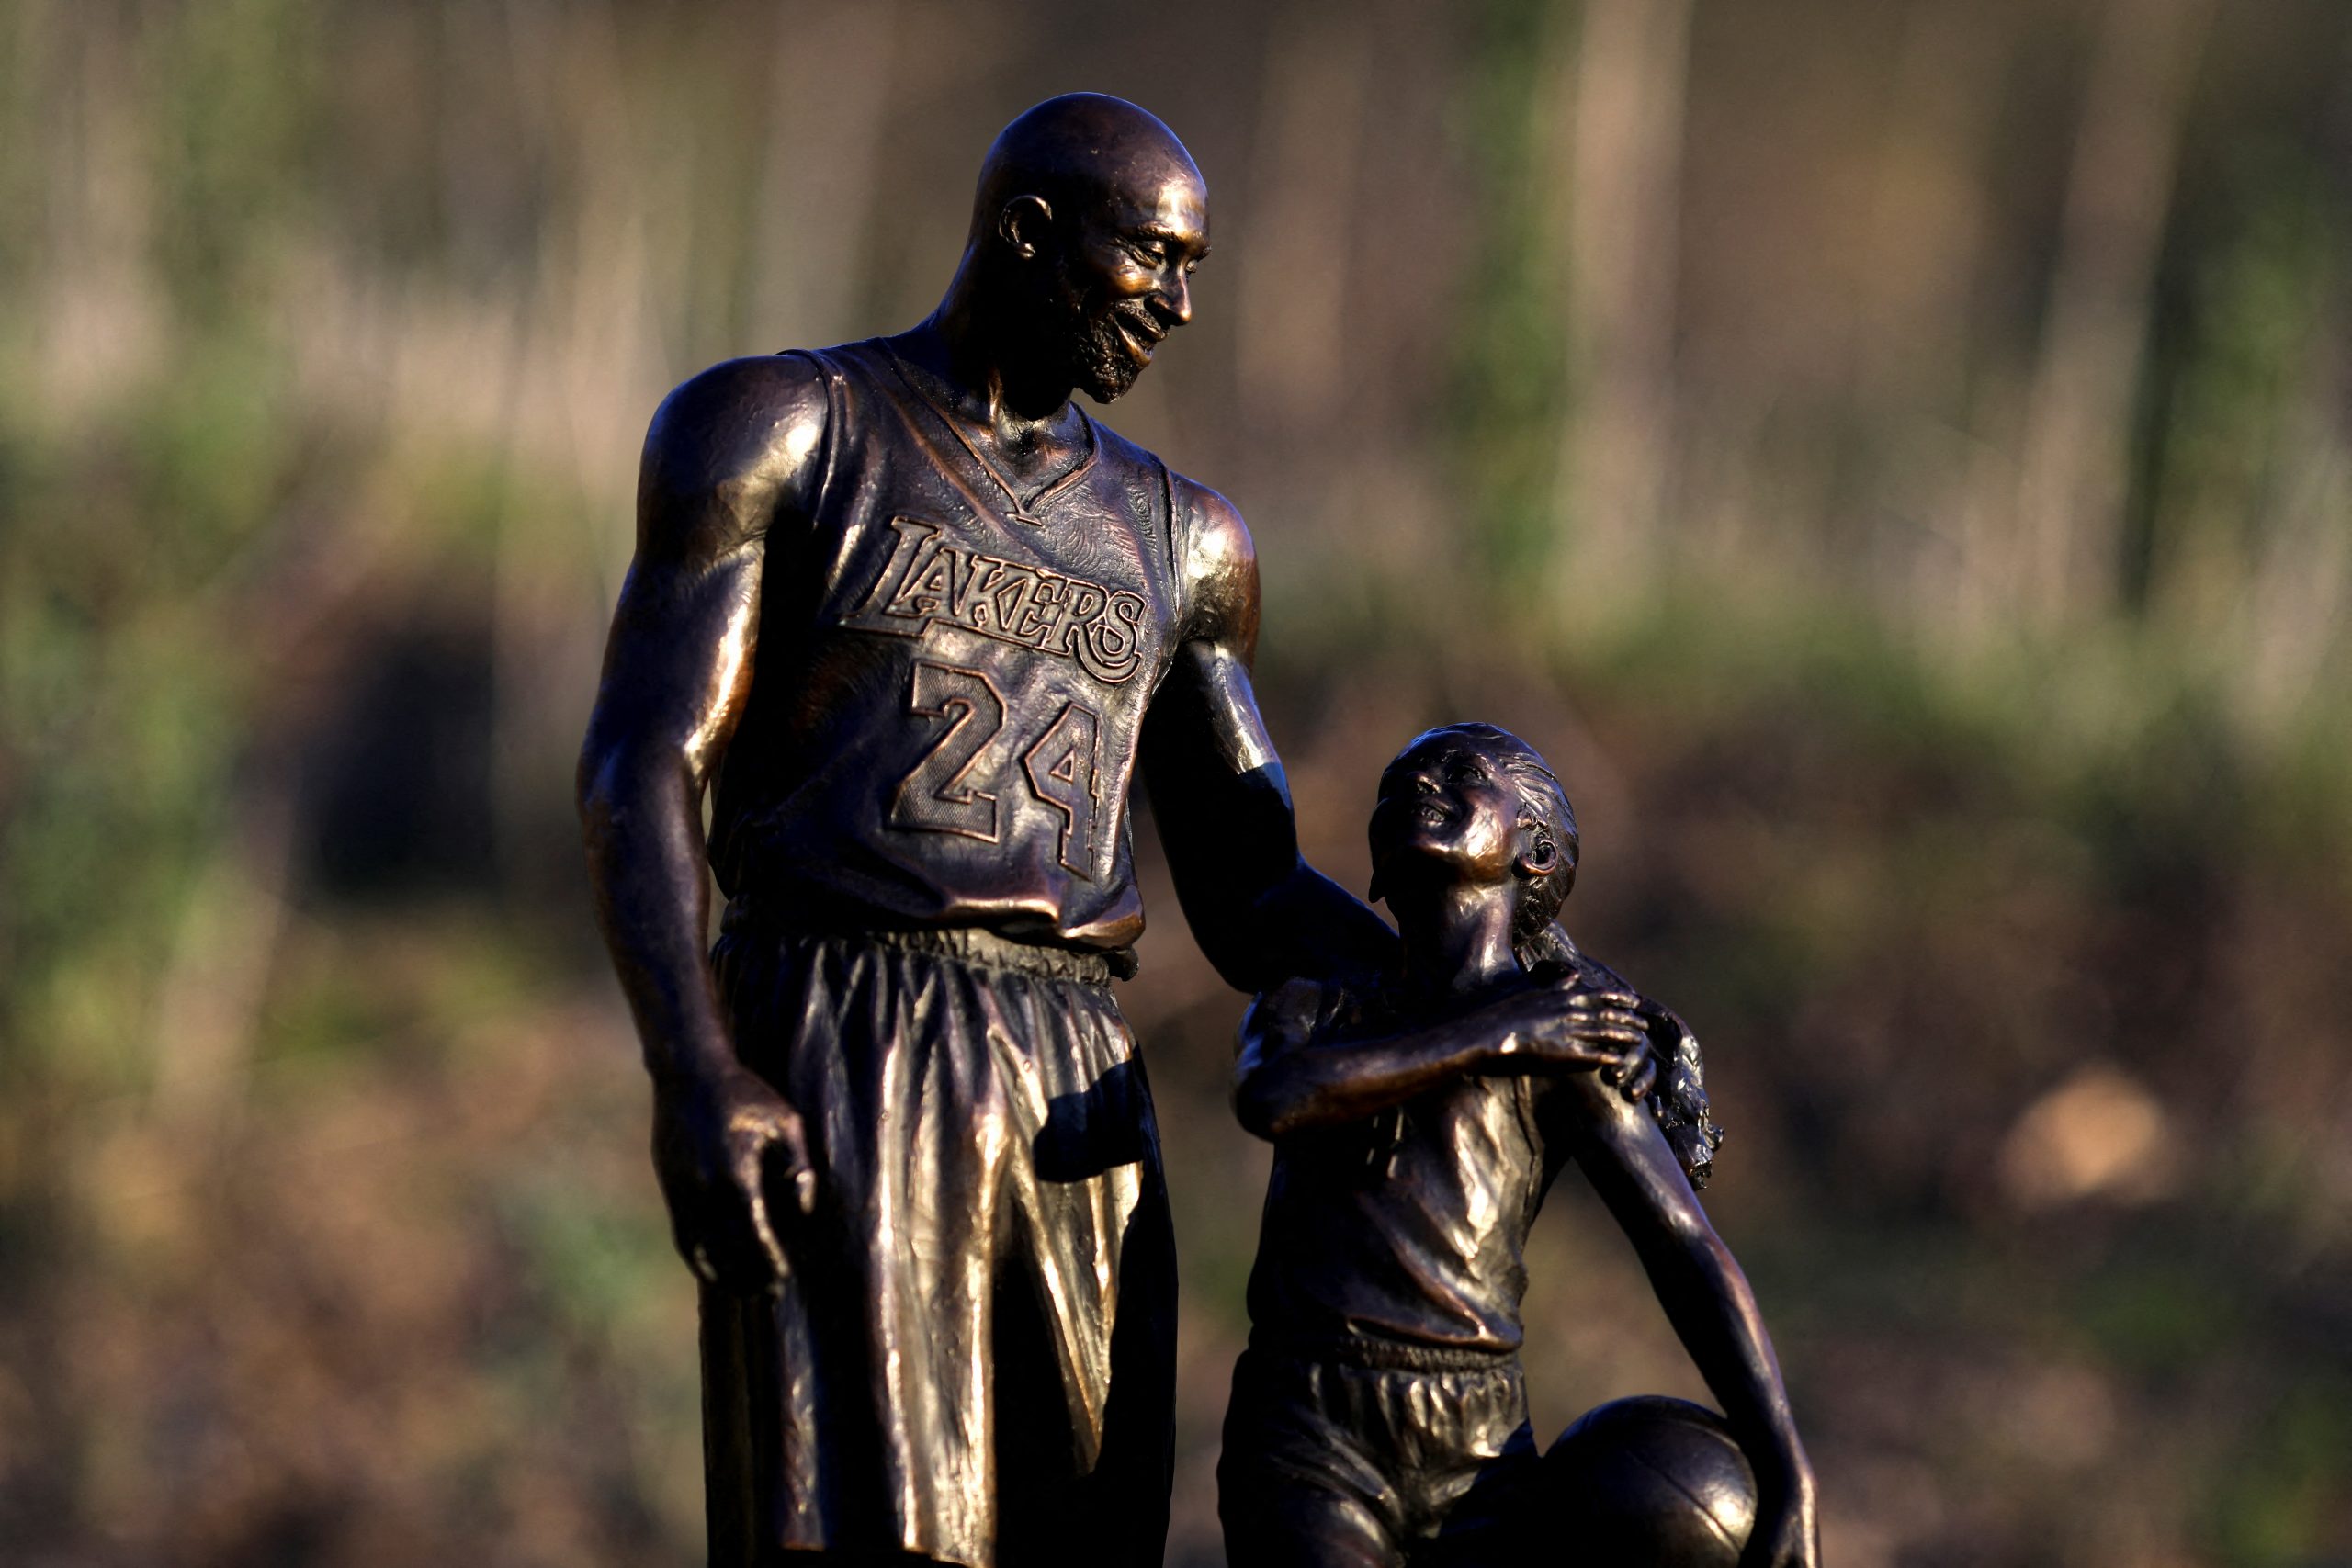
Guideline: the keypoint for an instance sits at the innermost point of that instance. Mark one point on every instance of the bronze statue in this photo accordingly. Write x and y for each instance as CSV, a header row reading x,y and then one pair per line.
x,y
1378,1416
919,617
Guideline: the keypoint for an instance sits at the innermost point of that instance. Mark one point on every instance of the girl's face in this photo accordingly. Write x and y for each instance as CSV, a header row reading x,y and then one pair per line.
x,y
1447,802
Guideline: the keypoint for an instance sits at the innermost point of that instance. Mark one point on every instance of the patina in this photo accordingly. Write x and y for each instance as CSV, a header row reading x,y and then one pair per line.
x,y
915,619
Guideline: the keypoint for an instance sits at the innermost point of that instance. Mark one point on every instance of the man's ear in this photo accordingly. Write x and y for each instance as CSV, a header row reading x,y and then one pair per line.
x,y
1023,224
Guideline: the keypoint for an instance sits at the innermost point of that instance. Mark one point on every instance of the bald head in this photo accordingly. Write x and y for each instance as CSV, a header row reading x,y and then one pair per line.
x,y
1084,151
1089,222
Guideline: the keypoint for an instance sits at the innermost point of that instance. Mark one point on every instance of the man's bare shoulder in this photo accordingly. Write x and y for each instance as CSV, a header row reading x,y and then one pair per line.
x,y
1218,540
1218,559
730,446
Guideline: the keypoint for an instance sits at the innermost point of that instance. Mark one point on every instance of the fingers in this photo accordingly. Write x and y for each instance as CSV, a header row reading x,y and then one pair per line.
x,y
1590,1038
740,1243
750,1192
689,1248
735,1245
787,1162
696,1219
721,1246
733,1160
1595,1032
1640,1075
1605,1023
1621,1018
1604,1047
1609,1004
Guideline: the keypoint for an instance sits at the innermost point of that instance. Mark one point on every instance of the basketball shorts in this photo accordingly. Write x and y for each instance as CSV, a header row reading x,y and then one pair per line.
x,y
972,1358
1329,1464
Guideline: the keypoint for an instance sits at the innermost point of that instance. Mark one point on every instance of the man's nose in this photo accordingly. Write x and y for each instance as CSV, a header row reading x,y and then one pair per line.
x,y
1175,298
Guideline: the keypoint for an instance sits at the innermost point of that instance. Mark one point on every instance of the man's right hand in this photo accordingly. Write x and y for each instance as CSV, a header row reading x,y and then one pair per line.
x,y
722,1146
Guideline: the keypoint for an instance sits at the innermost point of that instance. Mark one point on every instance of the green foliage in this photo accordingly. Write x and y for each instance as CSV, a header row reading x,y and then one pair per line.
x,y
2159,1314
593,1265
2280,1496
237,107
2262,294
1509,343
123,683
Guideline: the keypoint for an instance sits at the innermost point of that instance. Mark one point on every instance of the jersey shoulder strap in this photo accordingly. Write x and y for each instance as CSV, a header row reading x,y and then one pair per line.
x,y
829,373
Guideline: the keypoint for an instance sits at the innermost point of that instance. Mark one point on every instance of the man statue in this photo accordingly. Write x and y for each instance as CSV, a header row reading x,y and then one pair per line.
x,y
920,616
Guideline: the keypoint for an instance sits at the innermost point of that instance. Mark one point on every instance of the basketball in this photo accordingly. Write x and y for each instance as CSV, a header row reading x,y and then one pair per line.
x,y
1650,1479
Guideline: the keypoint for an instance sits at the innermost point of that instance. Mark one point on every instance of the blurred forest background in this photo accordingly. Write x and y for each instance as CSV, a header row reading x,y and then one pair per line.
x,y
1895,456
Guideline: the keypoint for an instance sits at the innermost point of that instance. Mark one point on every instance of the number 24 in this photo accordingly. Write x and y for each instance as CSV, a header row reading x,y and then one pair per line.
x,y
939,795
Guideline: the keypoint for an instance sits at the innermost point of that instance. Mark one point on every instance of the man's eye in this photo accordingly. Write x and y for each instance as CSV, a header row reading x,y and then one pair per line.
x,y
1150,254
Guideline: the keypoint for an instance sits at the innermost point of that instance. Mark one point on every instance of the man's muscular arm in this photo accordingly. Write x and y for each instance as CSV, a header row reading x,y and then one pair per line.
x,y
729,453
1260,912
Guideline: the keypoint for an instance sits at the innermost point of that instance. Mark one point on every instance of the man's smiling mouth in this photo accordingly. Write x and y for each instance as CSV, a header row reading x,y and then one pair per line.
x,y
1141,340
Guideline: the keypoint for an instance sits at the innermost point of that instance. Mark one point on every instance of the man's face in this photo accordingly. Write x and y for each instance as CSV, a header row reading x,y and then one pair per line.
x,y
1123,279
1447,804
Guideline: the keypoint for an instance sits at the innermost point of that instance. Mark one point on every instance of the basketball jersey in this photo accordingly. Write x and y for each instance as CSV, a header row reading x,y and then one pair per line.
x,y
950,679
1408,1227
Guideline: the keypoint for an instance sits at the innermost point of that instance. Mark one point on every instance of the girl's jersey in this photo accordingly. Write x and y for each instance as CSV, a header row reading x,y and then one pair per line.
x,y
1407,1229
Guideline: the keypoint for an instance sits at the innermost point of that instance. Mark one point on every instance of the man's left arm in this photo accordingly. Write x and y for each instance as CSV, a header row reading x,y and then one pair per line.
x,y
1260,912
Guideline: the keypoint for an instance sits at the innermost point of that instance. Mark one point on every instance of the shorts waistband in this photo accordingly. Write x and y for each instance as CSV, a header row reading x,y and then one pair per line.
x,y
1382,1355
976,946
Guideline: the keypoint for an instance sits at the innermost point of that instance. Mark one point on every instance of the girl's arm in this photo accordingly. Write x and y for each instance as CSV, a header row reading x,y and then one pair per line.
x,y
1287,1080
1708,1300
